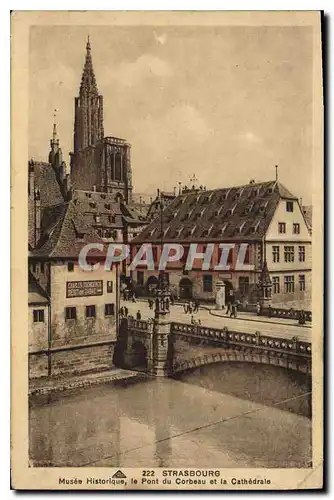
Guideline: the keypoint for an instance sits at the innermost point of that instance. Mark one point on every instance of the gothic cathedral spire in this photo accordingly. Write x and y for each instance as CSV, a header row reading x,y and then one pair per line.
x,y
88,122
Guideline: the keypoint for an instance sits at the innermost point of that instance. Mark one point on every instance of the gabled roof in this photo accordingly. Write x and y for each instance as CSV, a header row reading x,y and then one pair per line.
x,y
65,232
236,213
285,193
36,294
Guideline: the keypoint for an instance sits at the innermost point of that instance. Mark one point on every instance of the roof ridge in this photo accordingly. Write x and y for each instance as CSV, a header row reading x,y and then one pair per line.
x,y
250,185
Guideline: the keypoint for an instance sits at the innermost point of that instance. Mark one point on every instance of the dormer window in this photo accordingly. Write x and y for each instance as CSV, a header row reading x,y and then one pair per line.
x,y
242,225
107,206
97,219
88,195
92,204
249,208
231,210
111,219
255,228
225,226
263,206
103,196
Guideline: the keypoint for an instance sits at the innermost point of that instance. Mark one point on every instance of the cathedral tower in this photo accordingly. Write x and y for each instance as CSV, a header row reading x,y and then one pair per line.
x,y
98,163
88,121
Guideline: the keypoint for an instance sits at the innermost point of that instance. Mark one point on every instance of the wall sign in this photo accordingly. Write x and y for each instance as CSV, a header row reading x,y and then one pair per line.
x,y
83,288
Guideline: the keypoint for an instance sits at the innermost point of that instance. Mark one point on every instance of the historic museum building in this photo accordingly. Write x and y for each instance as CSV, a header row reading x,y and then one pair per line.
x,y
68,306
264,215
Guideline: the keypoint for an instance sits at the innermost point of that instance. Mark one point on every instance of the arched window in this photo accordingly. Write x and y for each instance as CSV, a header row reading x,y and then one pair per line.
x,y
118,167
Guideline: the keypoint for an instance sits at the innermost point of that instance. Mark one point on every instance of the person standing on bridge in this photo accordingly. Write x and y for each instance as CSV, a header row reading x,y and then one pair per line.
x,y
138,315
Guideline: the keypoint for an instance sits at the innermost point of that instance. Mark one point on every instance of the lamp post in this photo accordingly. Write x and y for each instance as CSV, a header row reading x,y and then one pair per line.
x,y
162,301
159,363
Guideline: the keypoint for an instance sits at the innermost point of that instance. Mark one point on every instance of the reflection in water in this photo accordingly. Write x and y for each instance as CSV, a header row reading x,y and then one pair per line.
x,y
191,422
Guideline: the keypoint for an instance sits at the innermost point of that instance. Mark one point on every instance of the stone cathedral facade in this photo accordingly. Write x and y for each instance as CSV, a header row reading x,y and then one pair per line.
x,y
97,162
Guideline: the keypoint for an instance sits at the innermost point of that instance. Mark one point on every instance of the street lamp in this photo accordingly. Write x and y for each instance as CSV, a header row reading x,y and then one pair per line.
x,y
163,293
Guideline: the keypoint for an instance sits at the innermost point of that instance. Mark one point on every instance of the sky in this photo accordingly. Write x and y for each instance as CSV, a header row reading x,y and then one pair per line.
x,y
225,103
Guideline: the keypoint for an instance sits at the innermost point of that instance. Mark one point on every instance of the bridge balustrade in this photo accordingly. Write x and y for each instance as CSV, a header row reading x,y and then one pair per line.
x,y
250,339
140,325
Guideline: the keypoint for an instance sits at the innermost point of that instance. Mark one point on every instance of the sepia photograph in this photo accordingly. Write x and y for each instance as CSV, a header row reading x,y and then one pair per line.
x,y
167,220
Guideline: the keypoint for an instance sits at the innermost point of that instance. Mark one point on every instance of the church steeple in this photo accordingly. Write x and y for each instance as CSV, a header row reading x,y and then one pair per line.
x,y
88,80
55,155
88,125
54,142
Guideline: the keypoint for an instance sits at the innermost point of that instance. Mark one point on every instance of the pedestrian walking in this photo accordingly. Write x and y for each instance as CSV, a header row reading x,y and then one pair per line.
x,y
172,300
150,304
258,308
229,309
190,308
133,297
138,315
126,311
185,308
233,311
192,320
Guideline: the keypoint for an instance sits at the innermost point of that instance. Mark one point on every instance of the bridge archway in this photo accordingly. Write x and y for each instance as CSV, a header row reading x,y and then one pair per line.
x,y
139,356
230,355
269,384
186,288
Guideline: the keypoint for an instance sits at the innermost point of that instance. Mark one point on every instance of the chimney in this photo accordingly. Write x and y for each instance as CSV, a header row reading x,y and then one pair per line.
x,y
140,200
158,192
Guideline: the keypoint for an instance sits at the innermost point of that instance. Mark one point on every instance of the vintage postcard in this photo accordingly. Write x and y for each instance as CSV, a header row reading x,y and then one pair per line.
x,y
167,251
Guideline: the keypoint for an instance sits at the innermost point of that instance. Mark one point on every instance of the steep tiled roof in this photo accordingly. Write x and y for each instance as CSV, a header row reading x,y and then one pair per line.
x,y
46,181
136,211
103,205
242,212
65,232
307,211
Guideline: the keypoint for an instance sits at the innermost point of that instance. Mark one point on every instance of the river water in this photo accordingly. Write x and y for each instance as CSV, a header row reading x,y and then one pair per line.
x,y
223,415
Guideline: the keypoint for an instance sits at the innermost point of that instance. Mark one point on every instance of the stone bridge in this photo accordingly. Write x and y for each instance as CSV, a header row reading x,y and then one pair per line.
x,y
166,348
